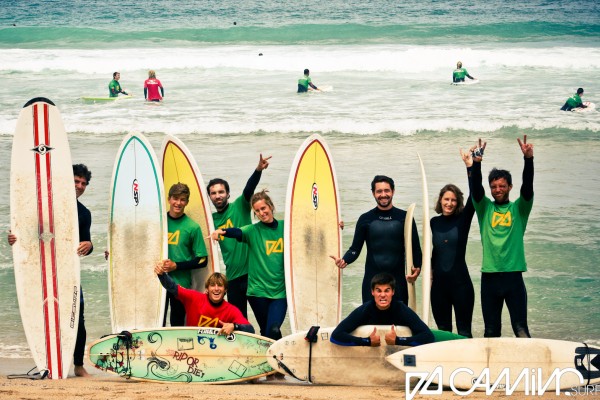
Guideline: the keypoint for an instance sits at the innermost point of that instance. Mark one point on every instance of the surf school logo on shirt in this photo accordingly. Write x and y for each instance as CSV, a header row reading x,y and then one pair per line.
x,y
315,196
501,219
135,192
274,246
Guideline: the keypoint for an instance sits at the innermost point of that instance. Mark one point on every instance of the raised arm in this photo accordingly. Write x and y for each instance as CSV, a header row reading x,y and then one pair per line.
x,y
527,186
250,188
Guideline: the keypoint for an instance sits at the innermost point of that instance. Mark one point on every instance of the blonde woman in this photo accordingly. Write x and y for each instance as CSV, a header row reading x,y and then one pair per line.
x,y
152,86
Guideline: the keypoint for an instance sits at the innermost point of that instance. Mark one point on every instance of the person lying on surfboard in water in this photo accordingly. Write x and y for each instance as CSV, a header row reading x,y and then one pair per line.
x,y
305,82
459,74
574,101
382,310
208,308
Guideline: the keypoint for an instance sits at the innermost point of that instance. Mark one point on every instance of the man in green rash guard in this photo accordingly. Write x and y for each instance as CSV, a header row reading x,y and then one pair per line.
x,y
460,73
187,250
305,82
114,87
235,214
574,101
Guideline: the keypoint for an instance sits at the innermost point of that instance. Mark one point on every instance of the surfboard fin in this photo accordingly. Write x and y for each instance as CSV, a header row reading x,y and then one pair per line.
x,y
583,362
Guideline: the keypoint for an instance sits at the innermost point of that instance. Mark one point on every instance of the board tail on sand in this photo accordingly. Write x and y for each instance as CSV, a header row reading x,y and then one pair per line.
x,y
137,237
44,220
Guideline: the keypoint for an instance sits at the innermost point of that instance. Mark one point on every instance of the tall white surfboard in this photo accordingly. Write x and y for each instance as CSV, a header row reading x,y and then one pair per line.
x,y
538,358
311,235
44,220
426,246
137,237
412,292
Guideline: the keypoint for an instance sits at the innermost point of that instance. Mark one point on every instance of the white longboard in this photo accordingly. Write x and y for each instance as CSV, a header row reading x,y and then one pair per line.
x,y
137,237
426,250
331,364
311,235
589,107
44,220
412,293
466,82
505,360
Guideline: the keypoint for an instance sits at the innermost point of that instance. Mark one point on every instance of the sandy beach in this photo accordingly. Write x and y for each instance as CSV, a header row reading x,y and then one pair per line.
x,y
101,385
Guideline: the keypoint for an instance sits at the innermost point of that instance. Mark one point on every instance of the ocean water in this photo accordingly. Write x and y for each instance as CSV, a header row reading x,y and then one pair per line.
x,y
230,69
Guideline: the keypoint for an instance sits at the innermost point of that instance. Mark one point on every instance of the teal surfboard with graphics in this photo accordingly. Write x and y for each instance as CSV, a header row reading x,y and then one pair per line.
x,y
184,354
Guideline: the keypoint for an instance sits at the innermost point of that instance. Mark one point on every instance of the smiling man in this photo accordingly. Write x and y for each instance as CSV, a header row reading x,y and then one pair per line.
x,y
382,228
187,250
382,310
502,224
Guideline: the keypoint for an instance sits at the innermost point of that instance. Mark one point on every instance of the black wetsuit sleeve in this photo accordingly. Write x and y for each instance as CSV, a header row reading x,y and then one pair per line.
x,y
169,284
84,217
198,262
245,328
358,241
469,209
162,91
252,184
527,186
341,334
475,178
421,334
233,233
145,93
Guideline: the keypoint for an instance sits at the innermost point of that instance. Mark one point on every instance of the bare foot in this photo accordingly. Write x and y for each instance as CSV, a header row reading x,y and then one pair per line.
x,y
80,371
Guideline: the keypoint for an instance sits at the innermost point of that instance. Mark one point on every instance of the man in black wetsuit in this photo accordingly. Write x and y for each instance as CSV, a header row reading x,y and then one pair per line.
x,y
381,310
382,229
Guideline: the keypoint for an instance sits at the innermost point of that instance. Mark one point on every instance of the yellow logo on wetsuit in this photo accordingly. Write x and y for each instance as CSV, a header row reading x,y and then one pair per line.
x,y
227,225
174,237
274,246
501,219
206,321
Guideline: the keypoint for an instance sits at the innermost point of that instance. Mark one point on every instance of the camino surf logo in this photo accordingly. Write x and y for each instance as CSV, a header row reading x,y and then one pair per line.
x,y
135,192
42,149
315,196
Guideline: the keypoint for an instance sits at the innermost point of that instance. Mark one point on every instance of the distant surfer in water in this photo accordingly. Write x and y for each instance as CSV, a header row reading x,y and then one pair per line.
x,y
208,308
152,87
459,74
574,101
305,82
231,214
82,176
502,225
382,228
382,310
114,87
187,250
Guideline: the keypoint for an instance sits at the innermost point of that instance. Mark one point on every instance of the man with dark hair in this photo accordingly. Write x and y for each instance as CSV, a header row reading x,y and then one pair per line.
x,y
574,101
502,224
187,250
235,214
82,176
382,229
305,82
382,310
114,87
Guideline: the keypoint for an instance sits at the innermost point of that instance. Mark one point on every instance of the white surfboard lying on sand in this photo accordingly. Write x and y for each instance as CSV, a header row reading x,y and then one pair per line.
x,y
137,237
509,356
44,219
330,364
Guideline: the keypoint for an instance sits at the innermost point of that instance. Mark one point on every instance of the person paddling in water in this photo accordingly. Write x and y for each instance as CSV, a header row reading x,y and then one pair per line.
x,y
574,101
459,74
305,82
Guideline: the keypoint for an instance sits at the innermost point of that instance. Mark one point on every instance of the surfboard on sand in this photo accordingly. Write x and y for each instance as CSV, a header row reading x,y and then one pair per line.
x,y
589,107
426,250
412,293
311,235
178,165
91,99
44,219
508,355
137,237
190,354
331,364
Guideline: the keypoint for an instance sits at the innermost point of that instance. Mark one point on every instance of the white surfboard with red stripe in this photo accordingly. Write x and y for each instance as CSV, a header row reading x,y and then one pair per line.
x,y
44,220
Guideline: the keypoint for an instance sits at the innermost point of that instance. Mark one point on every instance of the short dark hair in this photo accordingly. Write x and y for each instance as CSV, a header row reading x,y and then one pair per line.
x,y
217,181
382,178
580,90
383,278
82,171
179,189
306,71
115,75
460,202
496,174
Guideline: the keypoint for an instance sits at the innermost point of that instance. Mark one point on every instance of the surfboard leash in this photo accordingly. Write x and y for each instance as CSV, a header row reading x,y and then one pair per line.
x,y
43,374
286,369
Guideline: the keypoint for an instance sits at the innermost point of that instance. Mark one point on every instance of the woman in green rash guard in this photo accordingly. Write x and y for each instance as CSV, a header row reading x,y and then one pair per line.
x,y
266,277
